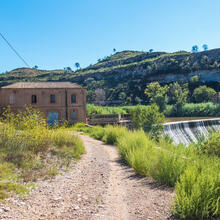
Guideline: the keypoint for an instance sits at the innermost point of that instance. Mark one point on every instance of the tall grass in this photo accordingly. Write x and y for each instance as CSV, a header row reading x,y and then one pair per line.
x,y
194,110
198,190
188,110
94,109
31,150
194,174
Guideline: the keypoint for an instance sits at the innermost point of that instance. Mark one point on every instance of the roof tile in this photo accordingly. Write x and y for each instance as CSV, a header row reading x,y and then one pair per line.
x,y
41,85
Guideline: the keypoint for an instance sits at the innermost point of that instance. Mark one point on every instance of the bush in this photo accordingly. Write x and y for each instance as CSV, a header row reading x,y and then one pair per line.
x,y
168,166
136,149
70,145
198,190
211,145
203,94
112,133
149,119
26,141
97,132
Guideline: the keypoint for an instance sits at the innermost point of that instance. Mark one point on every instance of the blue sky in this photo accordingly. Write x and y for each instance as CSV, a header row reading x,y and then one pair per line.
x,y
57,33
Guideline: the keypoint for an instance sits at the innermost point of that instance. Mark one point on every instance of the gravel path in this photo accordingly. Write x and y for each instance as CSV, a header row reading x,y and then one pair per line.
x,y
99,186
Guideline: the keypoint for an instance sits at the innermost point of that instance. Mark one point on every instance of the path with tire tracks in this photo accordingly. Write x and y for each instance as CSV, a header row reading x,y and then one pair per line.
x,y
98,187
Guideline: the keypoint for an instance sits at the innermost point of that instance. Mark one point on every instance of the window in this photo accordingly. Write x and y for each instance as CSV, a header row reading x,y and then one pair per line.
x,y
74,114
33,99
52,99
11,100
73,98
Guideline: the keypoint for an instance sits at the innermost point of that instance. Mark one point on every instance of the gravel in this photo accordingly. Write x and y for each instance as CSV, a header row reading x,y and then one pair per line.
x,y
98,187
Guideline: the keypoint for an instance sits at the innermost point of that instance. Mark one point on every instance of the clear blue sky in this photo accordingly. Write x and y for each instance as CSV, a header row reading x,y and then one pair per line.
x,y
57,33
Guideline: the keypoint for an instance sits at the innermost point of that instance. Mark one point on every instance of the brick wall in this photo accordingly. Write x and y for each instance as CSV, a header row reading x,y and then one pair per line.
x,y
62,105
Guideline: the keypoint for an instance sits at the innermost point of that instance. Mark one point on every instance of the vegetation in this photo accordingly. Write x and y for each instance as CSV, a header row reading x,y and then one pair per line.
x,y
30,150
149,119
211,146
187,110
157,95
127,72
203,94
178,95
194,110
194,173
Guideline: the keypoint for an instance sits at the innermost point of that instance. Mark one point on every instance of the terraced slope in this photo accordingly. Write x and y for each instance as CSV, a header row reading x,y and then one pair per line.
x,y
129,71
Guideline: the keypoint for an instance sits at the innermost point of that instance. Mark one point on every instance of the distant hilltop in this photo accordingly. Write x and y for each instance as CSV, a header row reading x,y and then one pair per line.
x,y
130,71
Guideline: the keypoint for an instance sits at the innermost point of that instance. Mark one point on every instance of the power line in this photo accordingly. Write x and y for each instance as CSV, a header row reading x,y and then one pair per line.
x,y
26,64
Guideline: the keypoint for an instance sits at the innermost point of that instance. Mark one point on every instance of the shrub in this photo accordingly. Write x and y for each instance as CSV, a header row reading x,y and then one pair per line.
x,y
112,133
97,132
26,141
203,94
211,145
198,190
149,119
135,148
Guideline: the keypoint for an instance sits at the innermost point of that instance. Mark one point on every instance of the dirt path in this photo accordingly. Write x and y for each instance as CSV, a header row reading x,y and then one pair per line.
x,y
99,186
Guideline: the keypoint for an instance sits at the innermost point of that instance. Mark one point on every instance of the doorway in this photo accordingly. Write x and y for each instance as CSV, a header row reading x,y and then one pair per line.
x,y
53,118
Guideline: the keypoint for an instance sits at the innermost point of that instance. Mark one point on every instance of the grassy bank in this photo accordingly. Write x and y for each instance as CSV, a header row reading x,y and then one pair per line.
x,y
208,109
31,150
194,173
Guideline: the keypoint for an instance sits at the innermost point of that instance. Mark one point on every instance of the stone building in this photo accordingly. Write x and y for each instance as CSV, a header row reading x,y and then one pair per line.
x,y
58,101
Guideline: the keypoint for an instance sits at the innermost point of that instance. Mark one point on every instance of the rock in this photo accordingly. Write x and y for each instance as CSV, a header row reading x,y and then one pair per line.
x,y
7,209
57,198
76,207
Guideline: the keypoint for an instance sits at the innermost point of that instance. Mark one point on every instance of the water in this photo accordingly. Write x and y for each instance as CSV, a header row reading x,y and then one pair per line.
x,y
188,131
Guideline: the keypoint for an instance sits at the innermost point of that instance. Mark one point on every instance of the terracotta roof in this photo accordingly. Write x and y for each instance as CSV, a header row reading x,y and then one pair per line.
x,y
42,85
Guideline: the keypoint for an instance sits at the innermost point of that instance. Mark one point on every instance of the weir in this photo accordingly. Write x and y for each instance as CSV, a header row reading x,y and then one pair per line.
x,y
189,131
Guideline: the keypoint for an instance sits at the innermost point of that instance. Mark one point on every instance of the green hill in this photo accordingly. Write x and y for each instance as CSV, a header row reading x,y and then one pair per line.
x,y
130,71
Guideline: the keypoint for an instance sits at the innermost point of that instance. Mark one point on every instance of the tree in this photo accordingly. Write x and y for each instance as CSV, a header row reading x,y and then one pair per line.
x,y
138,100
77,65
205,47
100,96
151,50
114,50
157,94
195,49
35,67
128,100
154,67
194,79
122,96
149,119
178,95
204,94
68,69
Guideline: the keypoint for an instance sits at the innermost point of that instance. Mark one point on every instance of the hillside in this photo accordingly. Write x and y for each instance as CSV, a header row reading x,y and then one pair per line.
x,y
130,71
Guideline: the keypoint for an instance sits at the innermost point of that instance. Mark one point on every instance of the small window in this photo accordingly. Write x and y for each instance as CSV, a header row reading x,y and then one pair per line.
x,y
73,98
11,100
74,114
33,99
52,99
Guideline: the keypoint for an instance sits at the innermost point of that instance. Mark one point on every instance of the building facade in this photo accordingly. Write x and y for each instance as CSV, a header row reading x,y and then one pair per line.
x,y
58,101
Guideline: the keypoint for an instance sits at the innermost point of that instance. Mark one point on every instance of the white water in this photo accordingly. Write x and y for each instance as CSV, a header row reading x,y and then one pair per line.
x,y
188,131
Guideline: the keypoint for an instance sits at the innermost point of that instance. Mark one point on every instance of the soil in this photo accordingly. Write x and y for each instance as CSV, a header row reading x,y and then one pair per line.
x,y
98,187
